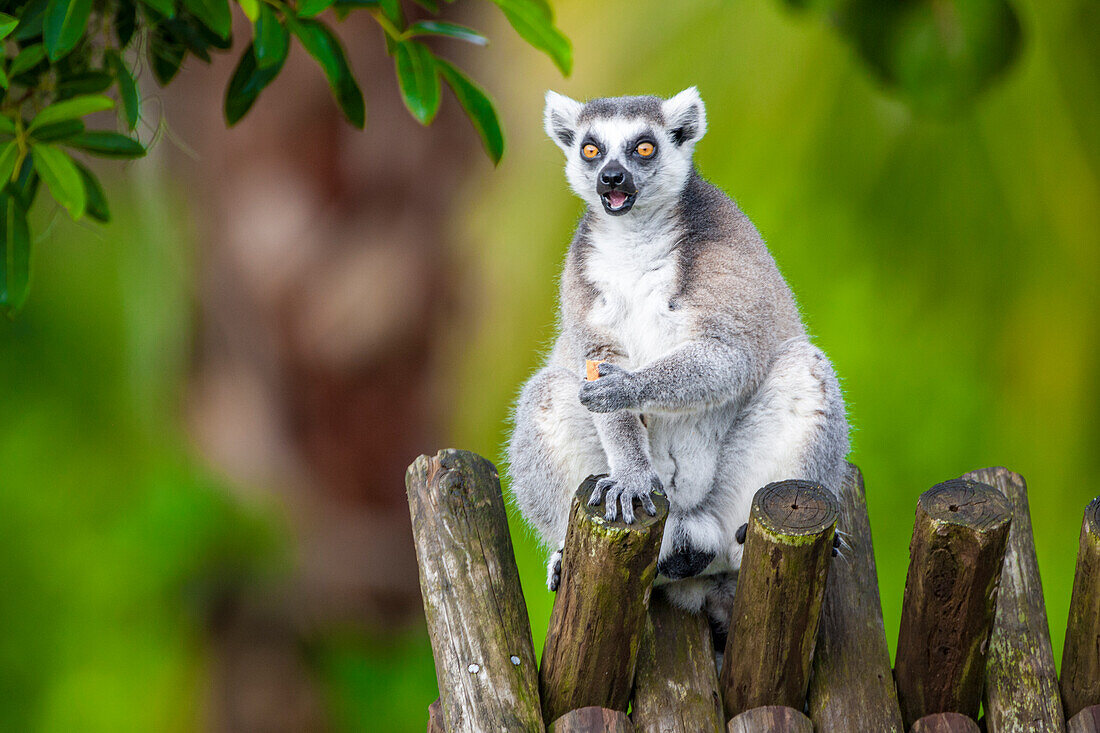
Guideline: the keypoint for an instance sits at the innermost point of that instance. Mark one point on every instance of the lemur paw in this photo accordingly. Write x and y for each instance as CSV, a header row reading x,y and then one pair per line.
x,y
623,490
616,389
553,571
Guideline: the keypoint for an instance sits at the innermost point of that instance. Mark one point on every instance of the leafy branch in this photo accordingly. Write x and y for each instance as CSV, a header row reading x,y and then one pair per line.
x,y
62,57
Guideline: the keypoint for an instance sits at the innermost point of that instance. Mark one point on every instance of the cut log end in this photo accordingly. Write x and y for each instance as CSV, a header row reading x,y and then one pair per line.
x,y
967,503
1092,519
772,718
1086,721
592,720
795,508
945,723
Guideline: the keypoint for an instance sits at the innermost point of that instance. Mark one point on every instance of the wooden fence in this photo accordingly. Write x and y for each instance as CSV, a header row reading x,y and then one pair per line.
x,y
807,648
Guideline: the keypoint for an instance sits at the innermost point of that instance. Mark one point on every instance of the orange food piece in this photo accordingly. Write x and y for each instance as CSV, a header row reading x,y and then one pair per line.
x,y
592,369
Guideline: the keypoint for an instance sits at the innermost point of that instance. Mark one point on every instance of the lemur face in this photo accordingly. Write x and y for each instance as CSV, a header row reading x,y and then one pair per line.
x,y
627,154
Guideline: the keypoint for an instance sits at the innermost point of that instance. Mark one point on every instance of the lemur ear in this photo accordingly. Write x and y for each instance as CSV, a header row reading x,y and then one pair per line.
x,y
560,119
686,116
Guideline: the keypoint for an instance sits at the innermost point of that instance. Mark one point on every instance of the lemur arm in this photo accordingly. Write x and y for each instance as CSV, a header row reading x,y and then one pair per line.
x,y
696,375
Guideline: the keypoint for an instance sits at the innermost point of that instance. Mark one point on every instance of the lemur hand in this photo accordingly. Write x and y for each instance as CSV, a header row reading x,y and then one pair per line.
x,y
616,389
623,489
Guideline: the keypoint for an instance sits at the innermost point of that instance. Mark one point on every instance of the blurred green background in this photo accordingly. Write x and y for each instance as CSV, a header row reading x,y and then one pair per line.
x,y
945,255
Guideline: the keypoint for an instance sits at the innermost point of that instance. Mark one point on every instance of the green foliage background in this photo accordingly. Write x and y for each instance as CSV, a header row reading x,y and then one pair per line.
x,y
946,261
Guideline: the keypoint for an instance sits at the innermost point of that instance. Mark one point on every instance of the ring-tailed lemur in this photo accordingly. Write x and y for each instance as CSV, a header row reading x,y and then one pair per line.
x,y
711,388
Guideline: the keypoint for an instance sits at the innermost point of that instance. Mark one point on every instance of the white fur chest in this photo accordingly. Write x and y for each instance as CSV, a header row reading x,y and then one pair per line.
x,y
637,277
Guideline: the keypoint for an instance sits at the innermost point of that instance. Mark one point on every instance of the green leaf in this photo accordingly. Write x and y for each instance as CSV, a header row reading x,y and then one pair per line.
x,y
88,82
432,6
251,9
15,262
166,55
4,81
30,21
27,59
59,172
63,25
418,80
71,109
127,89
167,8
107,144
7,124
213,13
9,157
271,39
450,30
7,25
478,107
247,83
310,8
534,22
58,131
97,201
25,186
125,23
323,46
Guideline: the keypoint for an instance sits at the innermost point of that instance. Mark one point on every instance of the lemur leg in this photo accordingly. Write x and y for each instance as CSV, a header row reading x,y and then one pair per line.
x,y
554,447
793,427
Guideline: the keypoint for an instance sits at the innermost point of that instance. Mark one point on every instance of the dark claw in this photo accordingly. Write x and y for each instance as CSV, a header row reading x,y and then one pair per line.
x,y
836,552
742,531
836,540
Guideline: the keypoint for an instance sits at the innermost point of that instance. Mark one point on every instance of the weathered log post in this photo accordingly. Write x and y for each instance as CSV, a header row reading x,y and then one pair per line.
x,y
947,723
777,604
1021,683
770,718
852,688
1081,653
950,593
600,608
1086,721
435,718
473,603
676,684
592,720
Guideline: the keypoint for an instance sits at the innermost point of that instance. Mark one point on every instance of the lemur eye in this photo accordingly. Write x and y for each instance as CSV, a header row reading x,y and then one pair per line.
x,y
590,151
645,149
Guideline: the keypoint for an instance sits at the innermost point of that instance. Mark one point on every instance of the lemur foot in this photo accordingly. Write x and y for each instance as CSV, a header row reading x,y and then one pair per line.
x,y
622,490
553,571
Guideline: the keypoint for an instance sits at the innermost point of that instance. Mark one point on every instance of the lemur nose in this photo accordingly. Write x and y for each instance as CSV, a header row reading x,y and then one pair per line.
x,y
613,174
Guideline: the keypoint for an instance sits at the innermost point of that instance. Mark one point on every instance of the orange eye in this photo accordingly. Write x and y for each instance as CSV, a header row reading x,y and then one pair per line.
x,y
590,151
645,149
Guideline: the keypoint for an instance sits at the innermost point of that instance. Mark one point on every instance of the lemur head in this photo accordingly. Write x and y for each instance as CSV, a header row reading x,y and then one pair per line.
x,y
625,153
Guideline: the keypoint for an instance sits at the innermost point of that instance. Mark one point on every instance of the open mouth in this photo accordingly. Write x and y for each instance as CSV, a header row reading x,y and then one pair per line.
x,y
618,202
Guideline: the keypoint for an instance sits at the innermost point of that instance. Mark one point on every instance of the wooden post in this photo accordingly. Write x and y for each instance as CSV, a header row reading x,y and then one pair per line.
x,y
770,718
950,592
435,718
852,687
948,723
1081,653
676,684
592,720
600,608
1086,721
477,619
1021,683
777,604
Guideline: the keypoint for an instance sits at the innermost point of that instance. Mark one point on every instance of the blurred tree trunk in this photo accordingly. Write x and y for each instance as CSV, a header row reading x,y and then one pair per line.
x,y
323,258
